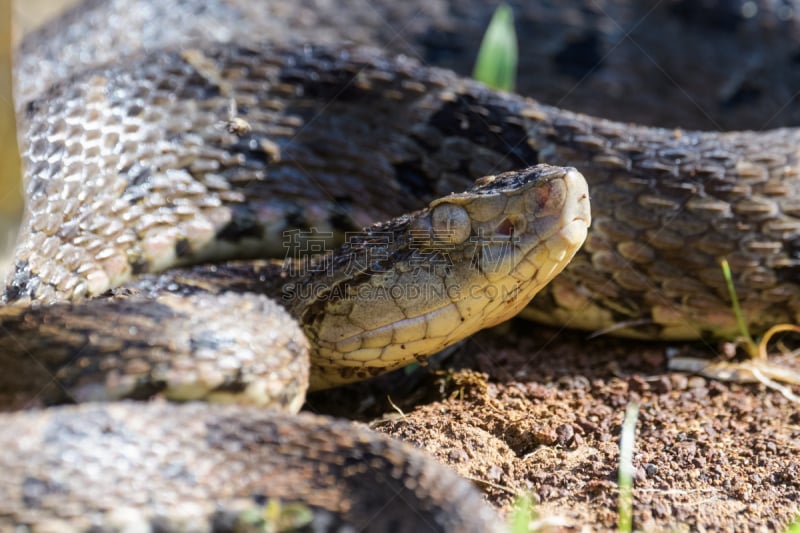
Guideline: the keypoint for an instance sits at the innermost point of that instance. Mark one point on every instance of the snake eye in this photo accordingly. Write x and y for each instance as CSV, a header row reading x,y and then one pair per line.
x,y
451,223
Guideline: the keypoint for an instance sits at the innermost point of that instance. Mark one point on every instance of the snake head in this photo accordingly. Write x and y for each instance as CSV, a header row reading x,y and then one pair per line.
x,y
466,262
516,213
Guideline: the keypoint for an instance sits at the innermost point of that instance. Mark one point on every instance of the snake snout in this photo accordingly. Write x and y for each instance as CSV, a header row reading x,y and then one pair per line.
x,y
578,213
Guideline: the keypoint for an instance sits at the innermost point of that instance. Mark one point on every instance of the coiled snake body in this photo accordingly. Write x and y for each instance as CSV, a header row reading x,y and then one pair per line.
x,y
211,144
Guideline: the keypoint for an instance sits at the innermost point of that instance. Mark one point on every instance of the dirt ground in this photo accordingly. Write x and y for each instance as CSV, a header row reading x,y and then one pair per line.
x,y
529,409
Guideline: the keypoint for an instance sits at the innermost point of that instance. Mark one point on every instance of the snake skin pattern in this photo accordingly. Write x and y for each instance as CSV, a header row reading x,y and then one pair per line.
x,y
656,192
357,135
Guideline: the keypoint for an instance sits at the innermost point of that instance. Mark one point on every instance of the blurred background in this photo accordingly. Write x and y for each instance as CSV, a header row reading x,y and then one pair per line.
x,y
16,18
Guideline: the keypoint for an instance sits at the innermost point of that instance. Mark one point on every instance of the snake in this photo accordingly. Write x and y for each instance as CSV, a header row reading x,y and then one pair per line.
x,y
161,136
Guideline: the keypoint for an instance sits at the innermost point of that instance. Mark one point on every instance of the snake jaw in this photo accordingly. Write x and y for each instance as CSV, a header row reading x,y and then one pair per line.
x,y
525,228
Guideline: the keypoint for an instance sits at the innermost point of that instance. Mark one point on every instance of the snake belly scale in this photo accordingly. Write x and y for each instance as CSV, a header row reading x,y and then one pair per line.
x,y
148,148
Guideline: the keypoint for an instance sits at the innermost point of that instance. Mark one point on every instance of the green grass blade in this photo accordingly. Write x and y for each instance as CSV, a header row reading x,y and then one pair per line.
x,y
794,527
737,310
496,65
521,514
625,473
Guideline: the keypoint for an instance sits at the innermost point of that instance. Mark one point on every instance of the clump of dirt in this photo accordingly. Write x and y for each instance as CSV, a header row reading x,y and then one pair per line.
x,y
541,413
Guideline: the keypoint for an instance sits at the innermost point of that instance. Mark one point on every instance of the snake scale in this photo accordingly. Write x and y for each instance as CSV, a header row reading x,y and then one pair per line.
x,y
171,133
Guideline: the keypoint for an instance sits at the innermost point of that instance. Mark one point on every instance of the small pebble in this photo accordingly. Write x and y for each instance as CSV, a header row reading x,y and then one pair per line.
x,y
495,473
566,434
